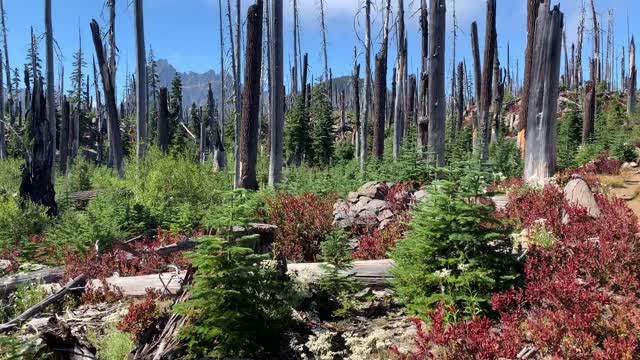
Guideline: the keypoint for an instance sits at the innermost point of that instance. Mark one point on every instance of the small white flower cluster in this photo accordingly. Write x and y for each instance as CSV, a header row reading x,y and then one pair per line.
x,y
319,345
444,273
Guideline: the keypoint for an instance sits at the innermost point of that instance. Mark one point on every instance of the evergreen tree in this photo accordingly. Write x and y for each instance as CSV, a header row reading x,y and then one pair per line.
x,y
32,51
77,79
569,137
323,133
153,78
297,137
16,82
194,114
175,106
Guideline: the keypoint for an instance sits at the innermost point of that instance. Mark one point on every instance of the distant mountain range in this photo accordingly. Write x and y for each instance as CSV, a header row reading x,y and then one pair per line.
x,y
194,85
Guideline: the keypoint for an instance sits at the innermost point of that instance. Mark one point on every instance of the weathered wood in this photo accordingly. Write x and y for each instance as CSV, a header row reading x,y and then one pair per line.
x,y
460,102
477,76
633,78
498,97
355,81
64,135
370,272
276,153
141,85
51,103
110,100
99,118
37,175
251,100
222,153
532,15
34,310
578,64
596,42
163,120
380,90
437,101
541,144
44,276
364,133
487,77
588,121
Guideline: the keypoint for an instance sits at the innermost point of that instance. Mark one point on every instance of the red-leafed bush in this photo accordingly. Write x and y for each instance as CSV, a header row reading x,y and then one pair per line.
x,y
10,257
604,165
375,245
303,223
104,293
581,299
141,316
525,207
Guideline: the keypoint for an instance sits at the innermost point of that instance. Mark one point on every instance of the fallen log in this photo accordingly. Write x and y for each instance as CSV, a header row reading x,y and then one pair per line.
x,y
169,283
373,273
34,310
47,275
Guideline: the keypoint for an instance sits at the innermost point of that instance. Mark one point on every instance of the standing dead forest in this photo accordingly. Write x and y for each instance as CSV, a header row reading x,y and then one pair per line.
x,y
402,202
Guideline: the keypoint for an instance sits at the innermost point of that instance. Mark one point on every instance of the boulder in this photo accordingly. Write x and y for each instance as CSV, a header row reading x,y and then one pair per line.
x,y
372,189
385,214
374,206
577,192
420,195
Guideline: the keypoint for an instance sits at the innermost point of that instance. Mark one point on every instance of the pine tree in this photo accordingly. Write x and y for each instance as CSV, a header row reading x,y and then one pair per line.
x,y
77,78
175,106
323,126
153,78
16,82
298,141
194,115
32,52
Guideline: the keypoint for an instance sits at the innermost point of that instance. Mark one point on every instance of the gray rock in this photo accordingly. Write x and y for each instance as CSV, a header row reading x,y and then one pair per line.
x,y
384,223
374,206
385,214
420,195
353,197
577,192
372,190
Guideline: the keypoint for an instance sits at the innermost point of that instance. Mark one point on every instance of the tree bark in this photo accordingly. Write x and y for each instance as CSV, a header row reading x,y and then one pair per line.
x,y
477,76
633,75
141,88
323,29
99,118
110,101
222,155
163,121
37,175
251,102
460,102
588,122
596,42
355,80
64,136
498,97
7,69
398,124
380,90
532,15
578,64
437,101
235,63
51,103
276,154
367,87
487,77
541,144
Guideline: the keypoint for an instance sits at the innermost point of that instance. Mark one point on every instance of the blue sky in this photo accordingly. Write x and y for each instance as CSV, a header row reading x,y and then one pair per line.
x,y
186,31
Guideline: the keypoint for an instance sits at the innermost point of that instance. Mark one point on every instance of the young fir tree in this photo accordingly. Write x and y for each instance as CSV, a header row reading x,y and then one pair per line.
x,y
569,137
455,252
77,79
194,115
153,79
16,83
175,106
323,132
240,305
32,52
297,137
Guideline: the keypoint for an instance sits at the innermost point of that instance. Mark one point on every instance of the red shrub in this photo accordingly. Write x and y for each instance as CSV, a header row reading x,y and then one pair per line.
x,y
11,257
104,293
303,223
581,299
141,316
376,245
526,207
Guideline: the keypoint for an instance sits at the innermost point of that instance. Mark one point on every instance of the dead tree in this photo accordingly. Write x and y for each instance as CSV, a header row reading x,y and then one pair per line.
x,y
323,29
343,112
222,164
532,15
596,41
276,154
392,97
303,78
623,77
141,86
423,120
367,87
477,76
398,124
115,143
437,101
7,68
294,84
51,103
588,122
3,140
99,117
355,80
460,102
567,71
631,101
487,77
498,97
380,89
64,135
251,102
578,64
541,144
37,175
235,63
163,121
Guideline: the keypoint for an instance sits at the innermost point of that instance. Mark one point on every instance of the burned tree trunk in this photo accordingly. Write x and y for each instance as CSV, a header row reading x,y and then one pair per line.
x,y
141,88
51,103
487,77
355,80
303,78
477,76
343,113
596,42
498,97
532,15
115,143
460,103
251,101
7,69
3,140
163,121
380,90
221,152
578,64
367,87
64,136
437,101
423,119
633,75
99,118
393,97
398,124
37,176
540,155
589,117
276,155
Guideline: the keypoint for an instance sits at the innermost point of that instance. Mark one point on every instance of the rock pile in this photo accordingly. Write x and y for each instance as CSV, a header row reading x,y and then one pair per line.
x,y
372,204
